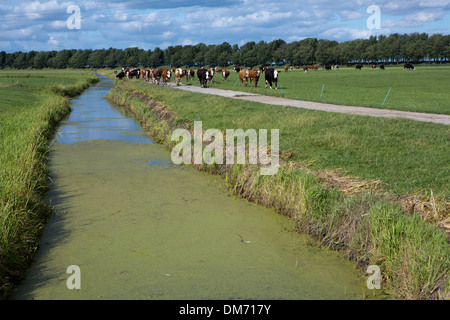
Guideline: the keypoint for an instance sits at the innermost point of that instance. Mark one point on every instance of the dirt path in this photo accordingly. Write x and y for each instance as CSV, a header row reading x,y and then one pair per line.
x,y
364,111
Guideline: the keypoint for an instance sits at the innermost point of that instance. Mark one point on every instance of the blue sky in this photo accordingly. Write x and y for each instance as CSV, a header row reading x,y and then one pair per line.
x,y
42,25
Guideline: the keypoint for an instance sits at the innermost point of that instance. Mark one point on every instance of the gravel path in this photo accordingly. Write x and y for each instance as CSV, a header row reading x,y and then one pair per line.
x,y
364,111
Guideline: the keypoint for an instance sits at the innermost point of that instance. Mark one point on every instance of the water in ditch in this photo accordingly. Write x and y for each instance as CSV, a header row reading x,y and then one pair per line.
x,y
139,227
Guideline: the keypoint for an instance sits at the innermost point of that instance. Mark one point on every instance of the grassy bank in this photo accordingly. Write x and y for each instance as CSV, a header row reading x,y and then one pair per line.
x,y
32,103
366,226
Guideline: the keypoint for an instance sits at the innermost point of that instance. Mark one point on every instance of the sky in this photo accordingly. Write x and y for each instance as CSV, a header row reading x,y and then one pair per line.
x,y
97,24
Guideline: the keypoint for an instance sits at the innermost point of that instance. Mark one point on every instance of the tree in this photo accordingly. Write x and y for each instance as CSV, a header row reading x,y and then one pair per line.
x,y
79,59
2,59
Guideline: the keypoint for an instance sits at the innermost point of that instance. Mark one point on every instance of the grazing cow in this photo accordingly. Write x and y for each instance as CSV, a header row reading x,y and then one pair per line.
x,y
203,77
254,77
327,68
409,66
374,66
382,67
237,69
359,66
120,75
286,68
165,75
225,74
271,76
133,73
336,67
179,74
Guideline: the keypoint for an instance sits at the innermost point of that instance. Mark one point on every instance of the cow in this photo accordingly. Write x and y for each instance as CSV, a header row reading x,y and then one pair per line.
x,y
305,68
211,75
382,67
271,76
253,75
133,73
120,75
243,76
145,73
225,74
327,68
156,76
203,77
313,67
190,74
374,66
179,74
409,66
358,66
237,69
165,75
286,69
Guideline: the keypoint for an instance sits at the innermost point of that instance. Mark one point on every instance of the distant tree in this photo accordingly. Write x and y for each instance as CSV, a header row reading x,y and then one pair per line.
x,y
327,51
156,58
2,59
79,59
97,58
61,59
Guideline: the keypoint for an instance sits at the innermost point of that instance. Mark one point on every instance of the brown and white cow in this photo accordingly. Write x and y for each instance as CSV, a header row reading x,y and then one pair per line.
x,y
254,77
165,75
243,76
211,75
179,74
225,74
156,76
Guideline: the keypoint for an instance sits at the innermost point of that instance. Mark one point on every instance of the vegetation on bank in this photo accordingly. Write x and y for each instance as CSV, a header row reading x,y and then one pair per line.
x,y
358,218
31,106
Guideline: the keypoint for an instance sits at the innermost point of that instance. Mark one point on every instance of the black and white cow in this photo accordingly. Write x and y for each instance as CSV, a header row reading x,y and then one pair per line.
x,y
359,66
271,76
203,77
120,75
327,68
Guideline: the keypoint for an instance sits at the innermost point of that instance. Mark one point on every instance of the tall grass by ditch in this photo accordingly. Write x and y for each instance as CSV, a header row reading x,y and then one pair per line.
x,y
24,175
413,255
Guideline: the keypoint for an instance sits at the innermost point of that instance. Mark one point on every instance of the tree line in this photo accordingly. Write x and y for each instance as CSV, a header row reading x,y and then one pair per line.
x,y
395,48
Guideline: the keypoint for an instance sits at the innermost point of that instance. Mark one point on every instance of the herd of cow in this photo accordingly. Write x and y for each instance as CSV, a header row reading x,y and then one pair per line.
x,y
205,76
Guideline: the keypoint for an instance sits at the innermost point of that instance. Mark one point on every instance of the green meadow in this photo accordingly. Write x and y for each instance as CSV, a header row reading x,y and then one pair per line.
x,y
31,105
408,156
420,90
368,225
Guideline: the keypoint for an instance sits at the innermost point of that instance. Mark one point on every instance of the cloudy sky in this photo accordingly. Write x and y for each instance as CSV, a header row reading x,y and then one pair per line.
x,y
49,25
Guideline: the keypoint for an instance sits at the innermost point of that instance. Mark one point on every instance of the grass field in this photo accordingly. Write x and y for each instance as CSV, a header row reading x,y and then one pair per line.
x,y
367,228
31,105
421,90
407,155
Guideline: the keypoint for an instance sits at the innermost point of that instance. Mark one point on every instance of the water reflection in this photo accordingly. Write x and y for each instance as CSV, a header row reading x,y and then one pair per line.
x,y
92,118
